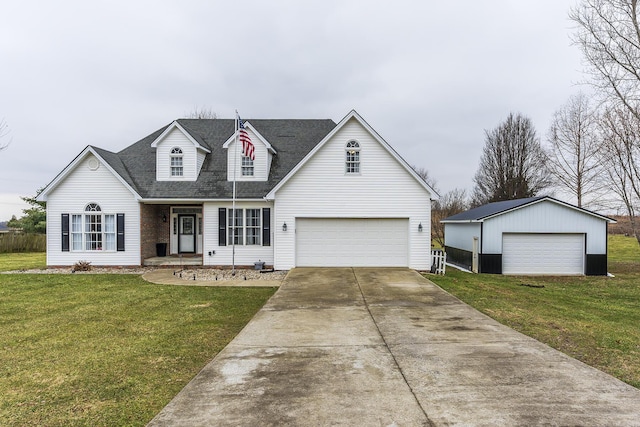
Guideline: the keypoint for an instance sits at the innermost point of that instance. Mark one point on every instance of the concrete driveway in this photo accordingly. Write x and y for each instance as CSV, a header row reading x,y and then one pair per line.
x,y
386,347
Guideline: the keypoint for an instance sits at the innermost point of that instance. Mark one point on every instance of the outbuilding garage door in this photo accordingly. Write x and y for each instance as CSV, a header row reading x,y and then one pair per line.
x,y
543,253
346,242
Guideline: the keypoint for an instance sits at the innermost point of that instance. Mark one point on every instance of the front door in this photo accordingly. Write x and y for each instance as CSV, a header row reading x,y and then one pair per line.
x,y
186,233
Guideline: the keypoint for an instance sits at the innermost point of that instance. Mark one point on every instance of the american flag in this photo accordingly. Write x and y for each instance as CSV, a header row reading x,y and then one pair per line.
x,y
248,149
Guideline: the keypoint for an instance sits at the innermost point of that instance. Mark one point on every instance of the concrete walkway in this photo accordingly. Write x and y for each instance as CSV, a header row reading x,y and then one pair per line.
x,y
386,347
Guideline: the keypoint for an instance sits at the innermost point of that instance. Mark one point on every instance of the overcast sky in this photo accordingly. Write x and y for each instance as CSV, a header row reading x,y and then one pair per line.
x,y
429,76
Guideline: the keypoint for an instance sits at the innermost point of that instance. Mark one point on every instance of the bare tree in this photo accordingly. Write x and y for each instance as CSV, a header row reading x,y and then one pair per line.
x,y
609,36
4,131
620,157
424,174
202,113
512,164
451,203
573,148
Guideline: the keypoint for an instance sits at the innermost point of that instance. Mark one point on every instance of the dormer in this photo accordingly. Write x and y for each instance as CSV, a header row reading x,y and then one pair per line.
x,y
179,156
245,168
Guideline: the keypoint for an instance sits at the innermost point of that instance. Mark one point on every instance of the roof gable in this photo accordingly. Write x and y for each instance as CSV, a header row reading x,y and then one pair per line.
x,y
259,136
110,160
352,115
490,210
195,140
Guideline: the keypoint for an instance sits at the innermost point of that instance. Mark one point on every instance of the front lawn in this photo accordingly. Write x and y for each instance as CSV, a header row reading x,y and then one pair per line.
x,y
22,261
594,319
106,350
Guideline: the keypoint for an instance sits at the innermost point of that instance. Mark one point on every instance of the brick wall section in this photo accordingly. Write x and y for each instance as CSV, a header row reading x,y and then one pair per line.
x,y
152,229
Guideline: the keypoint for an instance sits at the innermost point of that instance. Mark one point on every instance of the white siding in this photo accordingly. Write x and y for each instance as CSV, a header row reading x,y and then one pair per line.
x,y
81,187
261,163
545,217
461,235
383,189
245,255
190,159
201,156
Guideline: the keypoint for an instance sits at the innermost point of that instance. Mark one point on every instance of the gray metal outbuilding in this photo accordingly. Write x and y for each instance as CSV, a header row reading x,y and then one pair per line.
x,y
533,236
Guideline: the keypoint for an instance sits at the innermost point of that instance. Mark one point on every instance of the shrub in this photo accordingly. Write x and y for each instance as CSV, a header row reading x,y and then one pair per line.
x,y
82,266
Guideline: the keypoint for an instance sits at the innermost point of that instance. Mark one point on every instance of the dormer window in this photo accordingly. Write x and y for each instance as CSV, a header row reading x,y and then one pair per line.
x,y
247,166
176,162
353,157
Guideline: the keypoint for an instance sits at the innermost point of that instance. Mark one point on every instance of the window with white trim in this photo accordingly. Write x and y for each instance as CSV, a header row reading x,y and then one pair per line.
x,y
76,232
253,227
247,166
176,162
93,230
248,227
352,163
238,240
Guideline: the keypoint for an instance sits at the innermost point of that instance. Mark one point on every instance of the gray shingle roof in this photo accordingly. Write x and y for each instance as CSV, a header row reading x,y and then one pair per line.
x,y
292,140
484,211
116,164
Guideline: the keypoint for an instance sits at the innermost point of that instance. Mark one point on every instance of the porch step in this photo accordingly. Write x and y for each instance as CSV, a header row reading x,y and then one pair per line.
x,y
160,261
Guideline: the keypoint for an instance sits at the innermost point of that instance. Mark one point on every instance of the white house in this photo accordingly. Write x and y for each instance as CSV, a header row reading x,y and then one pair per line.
x,y
317,194
533,236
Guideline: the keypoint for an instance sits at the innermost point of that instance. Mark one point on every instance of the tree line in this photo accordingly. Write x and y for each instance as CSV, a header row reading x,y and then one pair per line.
x,y
593,142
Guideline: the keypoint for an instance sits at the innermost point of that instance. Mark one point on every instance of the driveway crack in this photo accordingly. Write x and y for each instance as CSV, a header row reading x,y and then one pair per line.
x,y
386,345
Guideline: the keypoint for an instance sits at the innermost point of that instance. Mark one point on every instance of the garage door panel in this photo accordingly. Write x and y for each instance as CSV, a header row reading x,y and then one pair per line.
x,y
542,253
351,242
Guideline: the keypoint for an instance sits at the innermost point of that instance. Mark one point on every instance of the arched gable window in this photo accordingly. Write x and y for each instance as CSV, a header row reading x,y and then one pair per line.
x,y
96,227
93,230
176,162
353,157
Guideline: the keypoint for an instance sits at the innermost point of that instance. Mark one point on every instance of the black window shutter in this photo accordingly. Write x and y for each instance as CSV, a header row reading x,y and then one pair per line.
x,y
222,226
120,232
266,226
65,232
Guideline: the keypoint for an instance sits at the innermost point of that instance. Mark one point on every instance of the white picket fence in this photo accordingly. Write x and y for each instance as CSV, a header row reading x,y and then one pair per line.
x,y
438,261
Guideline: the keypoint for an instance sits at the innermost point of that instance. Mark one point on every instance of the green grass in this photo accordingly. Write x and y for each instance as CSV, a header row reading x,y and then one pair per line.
x,y
22,261
624,253
105,350
594,319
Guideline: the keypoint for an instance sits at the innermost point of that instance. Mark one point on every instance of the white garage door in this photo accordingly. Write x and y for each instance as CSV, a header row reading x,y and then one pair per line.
x,y
543,253
342,242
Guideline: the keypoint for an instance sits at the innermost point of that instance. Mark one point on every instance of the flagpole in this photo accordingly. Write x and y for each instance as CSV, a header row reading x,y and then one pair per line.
x,y
233,206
